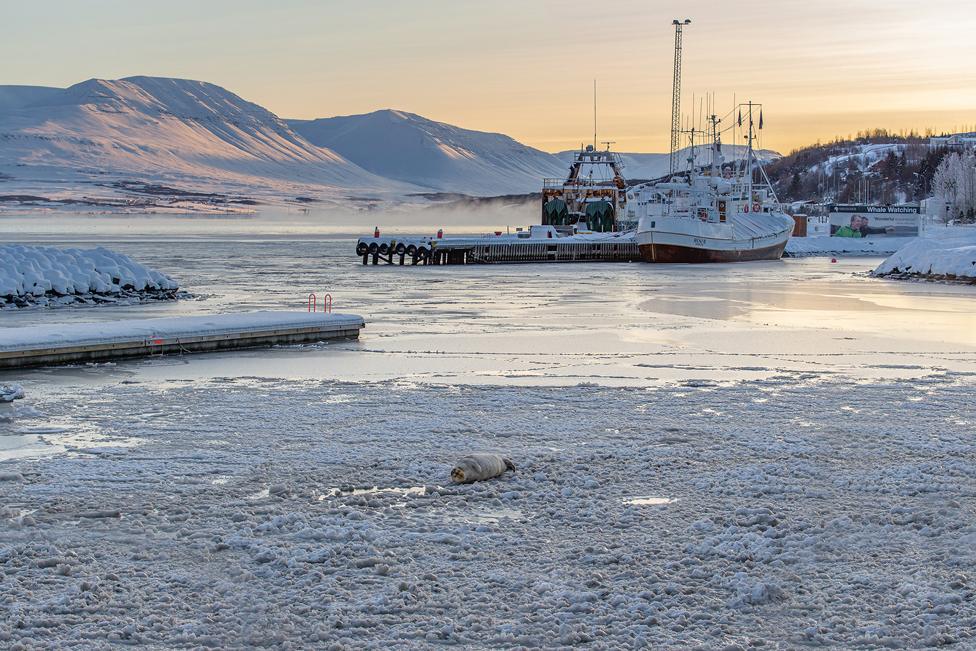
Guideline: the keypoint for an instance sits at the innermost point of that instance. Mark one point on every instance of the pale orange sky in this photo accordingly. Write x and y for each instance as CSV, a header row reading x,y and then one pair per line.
x,y
526,68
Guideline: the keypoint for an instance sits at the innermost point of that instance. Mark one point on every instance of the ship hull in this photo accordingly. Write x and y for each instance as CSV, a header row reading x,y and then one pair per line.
x,y
676,253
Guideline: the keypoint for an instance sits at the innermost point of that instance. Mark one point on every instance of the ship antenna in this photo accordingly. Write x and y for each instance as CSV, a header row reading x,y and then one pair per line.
x,y
676,92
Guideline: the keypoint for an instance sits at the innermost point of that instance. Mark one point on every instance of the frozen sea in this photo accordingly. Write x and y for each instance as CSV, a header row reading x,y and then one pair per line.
x,y
770,455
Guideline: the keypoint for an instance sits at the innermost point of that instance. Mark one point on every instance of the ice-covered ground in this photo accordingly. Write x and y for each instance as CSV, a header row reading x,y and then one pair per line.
x,y
951,255
777,454
46,275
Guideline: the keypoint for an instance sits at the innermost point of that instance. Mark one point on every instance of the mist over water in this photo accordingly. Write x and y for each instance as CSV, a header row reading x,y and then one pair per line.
x,y
403,218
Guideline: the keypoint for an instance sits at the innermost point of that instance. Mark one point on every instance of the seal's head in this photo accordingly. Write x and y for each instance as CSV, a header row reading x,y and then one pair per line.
x,y
457,475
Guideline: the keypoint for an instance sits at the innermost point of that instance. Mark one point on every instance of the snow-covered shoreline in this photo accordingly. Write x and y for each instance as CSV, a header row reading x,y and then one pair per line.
x,y
49,276
821,245
949,255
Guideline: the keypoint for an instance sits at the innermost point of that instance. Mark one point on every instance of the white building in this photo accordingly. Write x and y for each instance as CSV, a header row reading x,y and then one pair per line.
x,y
957,141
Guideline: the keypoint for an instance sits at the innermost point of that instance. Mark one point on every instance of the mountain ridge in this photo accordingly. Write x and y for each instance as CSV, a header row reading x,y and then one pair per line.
x,y
170,131
117,136
443,157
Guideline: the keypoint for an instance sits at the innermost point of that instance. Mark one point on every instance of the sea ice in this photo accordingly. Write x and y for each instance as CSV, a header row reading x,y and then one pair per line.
x,y
853,531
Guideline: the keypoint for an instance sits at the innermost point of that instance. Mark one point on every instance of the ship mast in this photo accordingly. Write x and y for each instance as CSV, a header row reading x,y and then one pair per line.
x,y
749,199
676,92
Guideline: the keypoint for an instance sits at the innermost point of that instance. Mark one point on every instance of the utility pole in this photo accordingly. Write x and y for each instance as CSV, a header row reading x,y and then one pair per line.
x,y
594,115
676,92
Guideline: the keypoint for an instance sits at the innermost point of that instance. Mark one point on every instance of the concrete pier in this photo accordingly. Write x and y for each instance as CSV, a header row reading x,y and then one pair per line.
x,y
98,342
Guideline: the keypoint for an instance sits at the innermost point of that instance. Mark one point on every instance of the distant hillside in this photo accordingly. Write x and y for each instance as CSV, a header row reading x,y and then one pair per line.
x,y
438,156
875,167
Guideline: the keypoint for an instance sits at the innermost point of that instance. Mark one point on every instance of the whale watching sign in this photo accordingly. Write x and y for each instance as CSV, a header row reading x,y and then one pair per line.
x,y
873,221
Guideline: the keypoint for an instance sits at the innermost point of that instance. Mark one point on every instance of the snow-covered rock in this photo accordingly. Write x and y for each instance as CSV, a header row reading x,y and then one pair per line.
x,y
442,157
36,274
951,255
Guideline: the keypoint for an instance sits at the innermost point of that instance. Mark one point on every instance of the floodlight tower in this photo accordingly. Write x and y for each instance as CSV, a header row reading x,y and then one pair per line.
x,y
676,91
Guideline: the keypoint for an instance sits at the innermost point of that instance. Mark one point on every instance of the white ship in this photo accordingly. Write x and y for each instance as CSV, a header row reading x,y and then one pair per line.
x,y
716,214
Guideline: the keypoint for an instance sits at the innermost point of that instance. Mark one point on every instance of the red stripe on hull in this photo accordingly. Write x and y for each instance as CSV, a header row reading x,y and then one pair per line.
x,y
668,253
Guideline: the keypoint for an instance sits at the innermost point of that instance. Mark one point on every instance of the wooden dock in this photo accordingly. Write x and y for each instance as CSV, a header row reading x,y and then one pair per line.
x,y
68,343
488,250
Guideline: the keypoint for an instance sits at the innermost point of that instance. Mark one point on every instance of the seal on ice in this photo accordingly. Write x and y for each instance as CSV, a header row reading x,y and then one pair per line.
x,y
476,467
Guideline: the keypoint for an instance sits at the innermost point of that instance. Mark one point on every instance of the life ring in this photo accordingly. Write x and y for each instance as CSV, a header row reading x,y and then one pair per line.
x,y
401,248
362,248
384,248
374,247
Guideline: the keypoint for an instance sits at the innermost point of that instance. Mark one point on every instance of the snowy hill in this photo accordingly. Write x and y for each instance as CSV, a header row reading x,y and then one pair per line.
x,y
171,131
876,167
438,156
652,166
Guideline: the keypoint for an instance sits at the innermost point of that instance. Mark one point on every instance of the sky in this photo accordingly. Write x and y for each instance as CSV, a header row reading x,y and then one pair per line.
x,y
821,68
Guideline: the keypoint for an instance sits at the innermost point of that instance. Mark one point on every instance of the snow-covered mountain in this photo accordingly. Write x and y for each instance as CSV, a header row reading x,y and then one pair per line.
x,y
176,144
652,166
439,156
162,130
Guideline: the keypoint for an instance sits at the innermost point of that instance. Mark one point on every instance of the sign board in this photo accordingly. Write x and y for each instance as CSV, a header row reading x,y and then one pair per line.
x,y
873,221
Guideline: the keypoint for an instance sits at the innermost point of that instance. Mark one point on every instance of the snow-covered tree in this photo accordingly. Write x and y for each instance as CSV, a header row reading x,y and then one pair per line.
x,y
954,184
